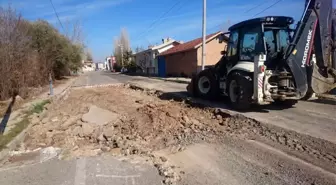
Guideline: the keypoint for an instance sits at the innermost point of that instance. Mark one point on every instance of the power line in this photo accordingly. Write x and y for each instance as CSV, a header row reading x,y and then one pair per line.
x,y
223,23
162,16
255,6
159,23
252,9
268,8
52,4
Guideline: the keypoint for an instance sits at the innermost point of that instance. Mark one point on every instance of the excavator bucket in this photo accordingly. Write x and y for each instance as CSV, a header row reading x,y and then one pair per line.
x,y
324,73
190,87
319,83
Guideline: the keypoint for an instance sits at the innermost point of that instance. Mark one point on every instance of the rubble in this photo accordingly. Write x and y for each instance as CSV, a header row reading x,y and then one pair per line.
x,y
121,121
101,138
69,122
109,132
99,116
87,129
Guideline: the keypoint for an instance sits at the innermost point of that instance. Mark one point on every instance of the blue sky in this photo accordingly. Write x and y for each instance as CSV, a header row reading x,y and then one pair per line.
x,y
102,19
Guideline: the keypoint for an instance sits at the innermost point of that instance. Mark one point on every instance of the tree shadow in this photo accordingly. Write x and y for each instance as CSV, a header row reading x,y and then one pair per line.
x,y
5,119
221,102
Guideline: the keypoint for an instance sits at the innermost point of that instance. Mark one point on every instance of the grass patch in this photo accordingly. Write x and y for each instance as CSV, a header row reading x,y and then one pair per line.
x,y
38,108
17,129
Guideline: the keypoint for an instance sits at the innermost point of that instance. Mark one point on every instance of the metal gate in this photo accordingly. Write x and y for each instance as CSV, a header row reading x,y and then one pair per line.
x,y
161,66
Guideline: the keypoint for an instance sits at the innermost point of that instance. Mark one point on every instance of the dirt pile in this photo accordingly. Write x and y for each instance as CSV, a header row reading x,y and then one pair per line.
x,y
140,124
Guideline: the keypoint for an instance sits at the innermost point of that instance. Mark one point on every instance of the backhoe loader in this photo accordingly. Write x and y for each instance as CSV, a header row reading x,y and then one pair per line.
x,y
266,61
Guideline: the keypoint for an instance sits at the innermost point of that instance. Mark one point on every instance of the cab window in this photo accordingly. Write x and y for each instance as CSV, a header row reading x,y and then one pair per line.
x,y
249,43
233,44
270,41
283,39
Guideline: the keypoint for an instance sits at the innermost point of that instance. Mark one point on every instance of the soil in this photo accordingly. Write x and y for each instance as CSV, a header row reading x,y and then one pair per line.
x,y
147,124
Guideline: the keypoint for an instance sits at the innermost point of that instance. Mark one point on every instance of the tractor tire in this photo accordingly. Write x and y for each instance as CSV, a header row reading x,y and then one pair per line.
x,y
206,85
240,90
285,103
308,94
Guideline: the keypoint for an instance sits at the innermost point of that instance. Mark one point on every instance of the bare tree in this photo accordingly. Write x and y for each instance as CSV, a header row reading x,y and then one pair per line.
x,y
124,39
30,51
89,57
121,45
139,49
14,49
74,32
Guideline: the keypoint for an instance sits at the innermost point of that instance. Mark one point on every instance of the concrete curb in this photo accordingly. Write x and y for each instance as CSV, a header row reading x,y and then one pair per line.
x,y
20,137
99,86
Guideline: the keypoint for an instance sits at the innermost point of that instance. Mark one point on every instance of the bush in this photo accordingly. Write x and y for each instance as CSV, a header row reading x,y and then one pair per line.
x,y
132,67
117,67
30,52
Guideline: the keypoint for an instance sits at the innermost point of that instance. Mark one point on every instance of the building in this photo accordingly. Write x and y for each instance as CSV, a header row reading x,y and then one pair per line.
x,y
147,59
88,66
100,66
109,63
185,59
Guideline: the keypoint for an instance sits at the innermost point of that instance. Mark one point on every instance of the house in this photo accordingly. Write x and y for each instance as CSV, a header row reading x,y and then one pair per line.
x,y
147,59
88,66
109,63
185,59
100,66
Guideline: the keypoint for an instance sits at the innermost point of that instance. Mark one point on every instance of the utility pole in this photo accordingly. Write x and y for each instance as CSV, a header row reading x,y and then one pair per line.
x,y
51,93
122,57
204,33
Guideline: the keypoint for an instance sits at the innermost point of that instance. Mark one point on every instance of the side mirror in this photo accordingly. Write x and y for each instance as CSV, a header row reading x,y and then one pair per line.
x,y
221,38
224,52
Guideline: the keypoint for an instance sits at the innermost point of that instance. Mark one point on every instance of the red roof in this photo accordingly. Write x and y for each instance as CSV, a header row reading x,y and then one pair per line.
x,y
188,45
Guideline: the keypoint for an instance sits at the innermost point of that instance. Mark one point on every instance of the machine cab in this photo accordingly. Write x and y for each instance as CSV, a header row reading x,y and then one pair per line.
x,y
268,35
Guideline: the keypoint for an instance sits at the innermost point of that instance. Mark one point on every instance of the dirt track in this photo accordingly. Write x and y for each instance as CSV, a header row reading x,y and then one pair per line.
x,y
146,126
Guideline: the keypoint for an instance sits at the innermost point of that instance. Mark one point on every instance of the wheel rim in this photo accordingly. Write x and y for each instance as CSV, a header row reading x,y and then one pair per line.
x,y
204,85
234,91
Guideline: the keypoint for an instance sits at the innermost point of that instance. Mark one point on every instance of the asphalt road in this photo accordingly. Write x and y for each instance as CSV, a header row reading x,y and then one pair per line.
x,y
37,169
95,78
